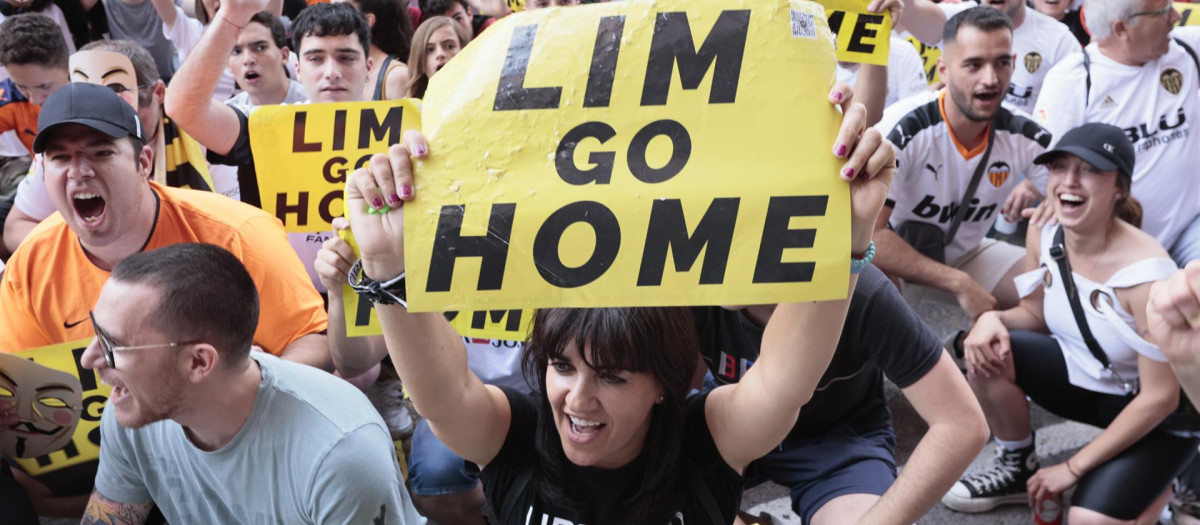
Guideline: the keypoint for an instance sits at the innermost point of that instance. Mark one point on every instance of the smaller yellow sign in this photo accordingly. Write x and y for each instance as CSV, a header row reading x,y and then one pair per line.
x,y
504,325
84,445
862,36
1187,14
929,59
304,153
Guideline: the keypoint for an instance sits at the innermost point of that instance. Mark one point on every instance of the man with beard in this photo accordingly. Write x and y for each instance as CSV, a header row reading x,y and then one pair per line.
x,y
212,432
930,234
97,167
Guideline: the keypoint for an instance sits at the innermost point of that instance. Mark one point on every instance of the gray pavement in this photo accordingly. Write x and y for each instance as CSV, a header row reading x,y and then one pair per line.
x,y
1057,439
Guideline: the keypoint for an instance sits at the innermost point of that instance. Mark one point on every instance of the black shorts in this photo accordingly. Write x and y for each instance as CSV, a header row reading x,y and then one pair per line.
x,y
1126,485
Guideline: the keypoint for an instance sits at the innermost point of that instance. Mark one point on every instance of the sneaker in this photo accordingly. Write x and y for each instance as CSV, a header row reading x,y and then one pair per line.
x,y
1185,504
1002,483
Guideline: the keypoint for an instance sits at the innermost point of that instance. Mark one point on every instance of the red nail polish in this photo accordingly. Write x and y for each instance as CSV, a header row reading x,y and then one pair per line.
x,y
378,202
406,191
840,151
848,173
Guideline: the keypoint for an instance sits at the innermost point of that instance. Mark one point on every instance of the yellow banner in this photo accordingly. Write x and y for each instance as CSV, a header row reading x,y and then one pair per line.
x,y
1187,14
304,153
862,36
696,169
50,412
929,59
504,325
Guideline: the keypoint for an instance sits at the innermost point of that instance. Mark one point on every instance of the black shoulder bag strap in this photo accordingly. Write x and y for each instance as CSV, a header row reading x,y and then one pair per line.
x,y
1087,70
966,202
1059,252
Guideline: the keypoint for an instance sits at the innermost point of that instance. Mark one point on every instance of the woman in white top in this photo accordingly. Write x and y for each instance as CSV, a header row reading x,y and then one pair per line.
x,y
1124,474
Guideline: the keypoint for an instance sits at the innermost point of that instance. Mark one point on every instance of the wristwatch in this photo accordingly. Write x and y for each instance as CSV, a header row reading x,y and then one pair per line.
x,y
391,291
858,263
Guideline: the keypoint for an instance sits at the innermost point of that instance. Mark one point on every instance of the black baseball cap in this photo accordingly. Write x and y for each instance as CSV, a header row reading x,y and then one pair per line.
x,y
1104,146
92,105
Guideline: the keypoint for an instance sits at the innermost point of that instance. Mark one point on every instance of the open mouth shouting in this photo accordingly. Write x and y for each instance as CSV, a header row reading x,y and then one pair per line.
x,y
89,207
251,76
584,430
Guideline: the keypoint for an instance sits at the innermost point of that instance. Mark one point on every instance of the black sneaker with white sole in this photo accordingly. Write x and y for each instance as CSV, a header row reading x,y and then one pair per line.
x,y
1002,483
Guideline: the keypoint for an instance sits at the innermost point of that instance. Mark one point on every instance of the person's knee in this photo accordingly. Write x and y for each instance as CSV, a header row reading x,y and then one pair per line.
x,y
1005,291
459,507
847,508
1084,516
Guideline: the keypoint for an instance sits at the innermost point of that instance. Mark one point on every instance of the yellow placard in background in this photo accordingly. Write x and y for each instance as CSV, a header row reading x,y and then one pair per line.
x,y
862,36
632,153
1187,14
85,445
304,153
929,59
503,325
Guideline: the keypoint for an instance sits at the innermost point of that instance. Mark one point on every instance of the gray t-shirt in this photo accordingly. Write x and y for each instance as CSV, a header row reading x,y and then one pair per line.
x,y
141,23
313,450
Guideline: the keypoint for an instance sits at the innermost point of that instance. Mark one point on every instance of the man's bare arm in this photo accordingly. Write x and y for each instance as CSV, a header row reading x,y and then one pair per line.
x,y
312,350
957,431
189,101
101,510
16,227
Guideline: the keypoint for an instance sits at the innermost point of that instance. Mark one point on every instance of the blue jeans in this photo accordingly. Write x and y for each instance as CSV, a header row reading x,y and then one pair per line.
x,y
433,470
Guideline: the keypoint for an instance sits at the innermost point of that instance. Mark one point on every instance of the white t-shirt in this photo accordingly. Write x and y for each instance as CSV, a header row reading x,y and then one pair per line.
x,y
906,72
185,34
1039,43
935,170
1157,105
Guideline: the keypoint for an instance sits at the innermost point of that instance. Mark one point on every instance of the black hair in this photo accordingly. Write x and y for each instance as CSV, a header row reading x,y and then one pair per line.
x,y
659,341
273,24
33,39
204,294
331,20
441,7
982,18
393,31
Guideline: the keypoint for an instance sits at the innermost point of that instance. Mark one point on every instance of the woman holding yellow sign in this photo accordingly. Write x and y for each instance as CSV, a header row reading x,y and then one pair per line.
x,y
612,437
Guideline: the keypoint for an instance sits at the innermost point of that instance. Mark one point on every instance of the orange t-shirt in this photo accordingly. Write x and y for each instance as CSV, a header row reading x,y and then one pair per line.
x,y
50,284
18,114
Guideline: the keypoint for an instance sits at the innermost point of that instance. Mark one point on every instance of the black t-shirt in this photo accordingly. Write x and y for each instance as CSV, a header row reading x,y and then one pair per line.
x,y
711,483
882,336
241,156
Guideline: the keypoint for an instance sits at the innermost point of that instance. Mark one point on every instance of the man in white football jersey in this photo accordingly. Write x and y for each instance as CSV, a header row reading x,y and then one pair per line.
x,y
1140,75
943,140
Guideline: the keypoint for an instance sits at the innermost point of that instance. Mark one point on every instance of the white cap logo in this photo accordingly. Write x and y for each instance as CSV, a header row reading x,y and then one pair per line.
x,y
1108,147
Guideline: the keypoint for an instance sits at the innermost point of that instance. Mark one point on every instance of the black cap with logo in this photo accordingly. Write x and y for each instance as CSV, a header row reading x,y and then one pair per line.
x,y
91,105
1102,145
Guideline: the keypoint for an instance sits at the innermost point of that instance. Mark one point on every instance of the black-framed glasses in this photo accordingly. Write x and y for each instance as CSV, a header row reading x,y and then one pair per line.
x,y
1160,13
108,348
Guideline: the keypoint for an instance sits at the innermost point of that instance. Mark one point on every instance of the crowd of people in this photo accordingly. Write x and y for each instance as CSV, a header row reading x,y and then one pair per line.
x,y
132,219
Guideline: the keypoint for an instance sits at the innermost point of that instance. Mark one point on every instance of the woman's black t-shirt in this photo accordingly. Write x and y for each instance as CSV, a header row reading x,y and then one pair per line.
x,y
713,487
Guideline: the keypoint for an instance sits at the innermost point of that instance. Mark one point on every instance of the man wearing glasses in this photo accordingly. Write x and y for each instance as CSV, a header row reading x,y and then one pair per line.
x,y
1140,75
212,432
96,171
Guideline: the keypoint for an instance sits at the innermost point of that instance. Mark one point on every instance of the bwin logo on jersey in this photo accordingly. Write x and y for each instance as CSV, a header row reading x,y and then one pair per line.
x,y
1033,62
998,173
1172,81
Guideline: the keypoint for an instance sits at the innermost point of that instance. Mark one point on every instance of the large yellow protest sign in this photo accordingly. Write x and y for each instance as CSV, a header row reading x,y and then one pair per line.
x,y
304,153
630,154
51,411
862,36
1187,14
929,59
503,325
